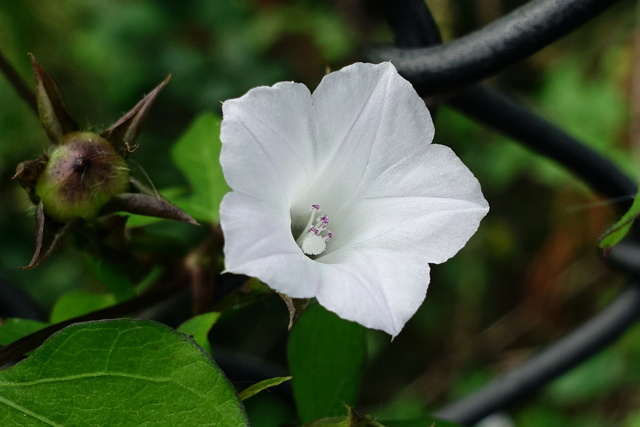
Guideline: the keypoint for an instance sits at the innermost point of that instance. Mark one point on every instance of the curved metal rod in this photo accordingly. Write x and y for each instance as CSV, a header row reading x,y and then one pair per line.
x,y
413,25
497,111
555,360
625,257
492,109
484,52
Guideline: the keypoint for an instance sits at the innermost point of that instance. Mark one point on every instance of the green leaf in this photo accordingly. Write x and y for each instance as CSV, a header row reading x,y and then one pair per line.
x,y
615,234
349,420
118,372
13,329
77,303
593,379
344,421
197,155
115,281
352,419
262,385
420,422
326,358
198,328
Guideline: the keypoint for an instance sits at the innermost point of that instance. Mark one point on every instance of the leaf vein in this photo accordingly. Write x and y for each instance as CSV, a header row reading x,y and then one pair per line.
x,y
28,412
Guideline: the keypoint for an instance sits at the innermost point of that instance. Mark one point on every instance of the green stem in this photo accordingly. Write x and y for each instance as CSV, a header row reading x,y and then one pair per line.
x,y
18,84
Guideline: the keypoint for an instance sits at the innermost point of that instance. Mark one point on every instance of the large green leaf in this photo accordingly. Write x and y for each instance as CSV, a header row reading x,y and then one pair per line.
x,y
326,358
197,155
118,372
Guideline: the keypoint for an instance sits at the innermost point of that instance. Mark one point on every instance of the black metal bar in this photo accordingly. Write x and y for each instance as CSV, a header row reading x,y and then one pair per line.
x,y
413,25
484,52
495,110
460,62
584,342
625,257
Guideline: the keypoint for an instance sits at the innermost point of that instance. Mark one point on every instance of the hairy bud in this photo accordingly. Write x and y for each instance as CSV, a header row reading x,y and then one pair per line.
x,y
85,175
84,172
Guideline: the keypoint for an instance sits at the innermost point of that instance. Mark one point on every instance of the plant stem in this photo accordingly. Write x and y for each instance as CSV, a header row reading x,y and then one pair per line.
x,y
18,84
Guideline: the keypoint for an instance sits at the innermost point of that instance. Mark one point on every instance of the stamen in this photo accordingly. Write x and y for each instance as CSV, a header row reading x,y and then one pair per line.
x,y
314,237
314,209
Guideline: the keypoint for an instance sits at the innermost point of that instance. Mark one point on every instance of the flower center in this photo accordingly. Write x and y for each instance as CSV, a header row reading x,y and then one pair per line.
x,y
314,237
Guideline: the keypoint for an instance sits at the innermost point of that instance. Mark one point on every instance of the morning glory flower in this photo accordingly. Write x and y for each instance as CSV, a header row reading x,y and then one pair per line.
x,y
340,195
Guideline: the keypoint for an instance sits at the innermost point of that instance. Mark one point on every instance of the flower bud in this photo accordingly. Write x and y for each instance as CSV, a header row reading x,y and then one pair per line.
x,y
83,173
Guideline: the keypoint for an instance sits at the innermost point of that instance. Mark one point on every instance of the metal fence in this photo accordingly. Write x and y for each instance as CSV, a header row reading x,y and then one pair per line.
x,y
453,71
456,68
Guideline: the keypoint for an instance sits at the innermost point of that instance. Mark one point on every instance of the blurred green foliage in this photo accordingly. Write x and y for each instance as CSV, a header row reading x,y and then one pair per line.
x,y
530,275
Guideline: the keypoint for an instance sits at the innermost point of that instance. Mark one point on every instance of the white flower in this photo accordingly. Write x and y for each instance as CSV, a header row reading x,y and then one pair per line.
x,y
340,194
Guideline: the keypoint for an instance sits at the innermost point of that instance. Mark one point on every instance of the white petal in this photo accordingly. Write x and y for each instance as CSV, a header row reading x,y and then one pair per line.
x,y
365,118
267,143
378,289
258,243
428,203
360,146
